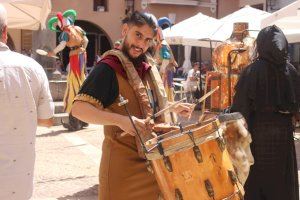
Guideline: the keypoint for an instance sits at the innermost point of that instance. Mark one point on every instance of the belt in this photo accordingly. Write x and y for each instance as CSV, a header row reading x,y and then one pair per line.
x,y
75,47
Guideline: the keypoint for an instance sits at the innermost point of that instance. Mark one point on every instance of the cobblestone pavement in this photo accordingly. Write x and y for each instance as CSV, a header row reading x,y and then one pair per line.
x,y
67,163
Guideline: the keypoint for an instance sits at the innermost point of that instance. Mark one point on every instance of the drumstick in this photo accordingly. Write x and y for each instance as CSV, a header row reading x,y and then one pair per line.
x,y
164,110
159,113
205,97
208,94
203,105
176,103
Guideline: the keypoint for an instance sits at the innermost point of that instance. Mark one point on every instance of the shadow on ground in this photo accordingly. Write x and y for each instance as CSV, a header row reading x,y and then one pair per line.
x,y
87,194
53,133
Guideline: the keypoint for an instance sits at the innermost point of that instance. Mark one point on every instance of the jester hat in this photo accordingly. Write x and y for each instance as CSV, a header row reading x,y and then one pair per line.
x,y
62,20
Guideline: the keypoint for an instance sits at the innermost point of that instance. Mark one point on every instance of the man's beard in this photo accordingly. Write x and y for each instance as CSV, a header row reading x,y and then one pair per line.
x,y
136,61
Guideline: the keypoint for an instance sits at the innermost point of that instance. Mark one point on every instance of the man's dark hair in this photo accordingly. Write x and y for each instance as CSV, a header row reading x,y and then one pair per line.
x,y
139,19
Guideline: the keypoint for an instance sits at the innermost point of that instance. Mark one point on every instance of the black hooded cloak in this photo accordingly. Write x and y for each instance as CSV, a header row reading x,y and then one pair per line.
x,y
268,94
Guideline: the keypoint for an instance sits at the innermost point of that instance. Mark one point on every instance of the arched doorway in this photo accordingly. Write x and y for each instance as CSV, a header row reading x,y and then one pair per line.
x,y
10,43
99,42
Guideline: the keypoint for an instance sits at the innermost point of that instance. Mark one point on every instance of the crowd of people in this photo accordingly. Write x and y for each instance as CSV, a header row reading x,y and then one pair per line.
x,y
267,94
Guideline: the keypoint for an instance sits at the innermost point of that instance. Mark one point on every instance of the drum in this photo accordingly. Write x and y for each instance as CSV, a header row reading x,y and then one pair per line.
x,y
193,163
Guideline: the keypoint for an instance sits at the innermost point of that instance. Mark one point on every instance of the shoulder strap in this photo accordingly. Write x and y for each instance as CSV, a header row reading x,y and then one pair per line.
x,y
134,80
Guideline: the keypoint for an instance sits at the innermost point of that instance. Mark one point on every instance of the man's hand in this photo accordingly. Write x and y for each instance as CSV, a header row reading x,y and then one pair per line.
x,y
128,128
184,109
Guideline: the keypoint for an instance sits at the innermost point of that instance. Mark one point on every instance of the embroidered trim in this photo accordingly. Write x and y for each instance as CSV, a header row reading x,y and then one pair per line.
x,y
89,99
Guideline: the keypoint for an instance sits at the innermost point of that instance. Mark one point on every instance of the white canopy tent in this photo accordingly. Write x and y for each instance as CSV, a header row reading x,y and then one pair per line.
x,y
194,24
210,32
204,31
288,19
223,31
27,14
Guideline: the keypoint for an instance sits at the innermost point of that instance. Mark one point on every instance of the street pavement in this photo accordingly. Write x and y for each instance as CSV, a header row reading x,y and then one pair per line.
x,y
67,163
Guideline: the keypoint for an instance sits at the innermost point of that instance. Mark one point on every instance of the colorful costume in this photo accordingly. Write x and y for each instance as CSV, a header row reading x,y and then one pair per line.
x,y
165,59
75,38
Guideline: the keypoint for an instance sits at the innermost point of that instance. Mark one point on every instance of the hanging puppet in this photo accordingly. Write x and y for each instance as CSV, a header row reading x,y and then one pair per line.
x,y
165,59
75,38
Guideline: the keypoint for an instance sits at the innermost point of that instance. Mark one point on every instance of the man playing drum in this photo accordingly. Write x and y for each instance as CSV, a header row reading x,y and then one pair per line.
x,y
126,72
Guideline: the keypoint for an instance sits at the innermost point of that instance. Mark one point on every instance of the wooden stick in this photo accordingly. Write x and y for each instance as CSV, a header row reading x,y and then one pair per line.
x,y
208,94
177,102
204,103
201,118
203,106
164,110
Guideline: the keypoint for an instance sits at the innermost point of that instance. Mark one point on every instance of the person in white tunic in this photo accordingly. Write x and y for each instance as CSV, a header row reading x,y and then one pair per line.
x,y
25,102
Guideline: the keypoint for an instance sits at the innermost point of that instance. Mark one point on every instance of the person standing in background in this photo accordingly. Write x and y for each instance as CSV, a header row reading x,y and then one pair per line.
x,y
268,96
25,102
75,38
193,84
165,58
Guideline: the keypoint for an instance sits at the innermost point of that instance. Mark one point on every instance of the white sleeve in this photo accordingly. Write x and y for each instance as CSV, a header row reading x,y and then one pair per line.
x,y
60,47
45,106
190,73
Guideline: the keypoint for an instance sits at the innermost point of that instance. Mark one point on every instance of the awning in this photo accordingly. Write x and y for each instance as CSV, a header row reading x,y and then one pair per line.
x,y
27,14
204,31
287,19
247,14
191,28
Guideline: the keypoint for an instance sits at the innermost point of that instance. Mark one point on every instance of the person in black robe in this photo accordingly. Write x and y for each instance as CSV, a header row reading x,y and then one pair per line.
x,y
268,96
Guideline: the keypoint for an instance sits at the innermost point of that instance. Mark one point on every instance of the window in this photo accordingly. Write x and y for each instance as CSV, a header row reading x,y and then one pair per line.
x,y
100,5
